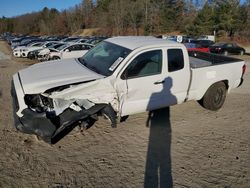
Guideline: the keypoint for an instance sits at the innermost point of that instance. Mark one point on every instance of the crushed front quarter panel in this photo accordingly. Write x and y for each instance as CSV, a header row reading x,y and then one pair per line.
x,y
96,92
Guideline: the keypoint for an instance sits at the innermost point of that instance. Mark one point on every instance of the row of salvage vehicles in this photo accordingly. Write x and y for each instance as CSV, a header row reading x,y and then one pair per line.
x,y
52,50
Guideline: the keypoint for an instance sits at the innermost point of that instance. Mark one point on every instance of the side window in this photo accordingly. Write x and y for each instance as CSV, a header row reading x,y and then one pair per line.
x,y
73,48
85,47
77,47
175,60
37,44
146,64
82,47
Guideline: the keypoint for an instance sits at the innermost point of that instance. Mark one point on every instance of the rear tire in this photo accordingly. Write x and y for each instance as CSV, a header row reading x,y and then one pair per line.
x,y
214,97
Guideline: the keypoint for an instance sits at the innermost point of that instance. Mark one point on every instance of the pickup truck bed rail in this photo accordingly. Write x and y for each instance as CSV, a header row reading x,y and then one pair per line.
x,y
202,59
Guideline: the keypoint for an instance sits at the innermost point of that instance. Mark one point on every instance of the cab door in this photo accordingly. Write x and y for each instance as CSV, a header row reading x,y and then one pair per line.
x,y
178,69
153,79
141,83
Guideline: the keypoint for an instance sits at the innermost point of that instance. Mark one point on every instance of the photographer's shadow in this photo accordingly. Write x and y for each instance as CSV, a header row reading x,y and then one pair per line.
x,y
158,164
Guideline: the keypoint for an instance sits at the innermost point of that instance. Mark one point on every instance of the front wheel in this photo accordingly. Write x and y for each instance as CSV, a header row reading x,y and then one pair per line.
x,y
214,97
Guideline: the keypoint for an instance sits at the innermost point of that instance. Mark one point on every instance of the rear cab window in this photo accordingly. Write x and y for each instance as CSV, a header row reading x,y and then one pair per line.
x,y
175,60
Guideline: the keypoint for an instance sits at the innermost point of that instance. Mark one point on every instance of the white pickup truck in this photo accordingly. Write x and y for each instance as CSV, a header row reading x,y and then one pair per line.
x,y
119,77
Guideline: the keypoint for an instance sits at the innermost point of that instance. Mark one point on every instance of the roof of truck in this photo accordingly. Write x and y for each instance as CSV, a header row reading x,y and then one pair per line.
x,y
133,42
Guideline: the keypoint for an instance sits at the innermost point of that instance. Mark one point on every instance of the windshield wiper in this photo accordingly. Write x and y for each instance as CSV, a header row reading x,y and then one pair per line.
x,y
94,69
89,66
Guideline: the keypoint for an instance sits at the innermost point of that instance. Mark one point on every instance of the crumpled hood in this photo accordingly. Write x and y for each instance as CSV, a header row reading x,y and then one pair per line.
x,y
43,76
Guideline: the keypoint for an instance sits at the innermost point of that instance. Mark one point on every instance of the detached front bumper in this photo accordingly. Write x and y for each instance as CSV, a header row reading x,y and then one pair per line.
x,y
44,124
31,122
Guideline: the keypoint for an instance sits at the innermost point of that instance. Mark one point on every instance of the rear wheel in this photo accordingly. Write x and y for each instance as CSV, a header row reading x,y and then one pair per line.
x,y
214,97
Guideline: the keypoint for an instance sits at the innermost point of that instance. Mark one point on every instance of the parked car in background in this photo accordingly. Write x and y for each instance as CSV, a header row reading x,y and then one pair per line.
x,y
39,46
195,47
70,39
17,52
70,51
227,48
203,43
33,53
44,54
24,41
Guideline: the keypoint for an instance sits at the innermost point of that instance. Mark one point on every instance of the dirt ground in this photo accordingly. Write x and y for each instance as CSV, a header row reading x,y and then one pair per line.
x,y
181,146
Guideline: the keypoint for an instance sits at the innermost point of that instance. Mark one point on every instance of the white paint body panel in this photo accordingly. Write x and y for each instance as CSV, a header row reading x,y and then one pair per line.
x,y
204,77
127,96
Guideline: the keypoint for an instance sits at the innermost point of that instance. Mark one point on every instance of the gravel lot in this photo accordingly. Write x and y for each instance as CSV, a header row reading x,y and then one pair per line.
x,y
184,146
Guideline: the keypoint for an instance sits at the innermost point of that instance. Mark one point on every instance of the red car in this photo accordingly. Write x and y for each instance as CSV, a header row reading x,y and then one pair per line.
x,y
196,47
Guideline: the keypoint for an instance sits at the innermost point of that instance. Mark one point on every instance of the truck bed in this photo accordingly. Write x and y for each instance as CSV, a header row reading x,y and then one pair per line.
x,y
207,69
201,59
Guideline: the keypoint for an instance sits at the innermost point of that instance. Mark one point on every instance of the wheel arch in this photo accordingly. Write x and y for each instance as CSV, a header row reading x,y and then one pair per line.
x,y
207,101
205,89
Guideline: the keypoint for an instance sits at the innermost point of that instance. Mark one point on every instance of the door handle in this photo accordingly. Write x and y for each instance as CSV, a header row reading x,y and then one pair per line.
x,y
159,82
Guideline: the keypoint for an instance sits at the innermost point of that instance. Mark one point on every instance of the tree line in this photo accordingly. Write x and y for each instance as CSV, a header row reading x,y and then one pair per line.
x,y
138,17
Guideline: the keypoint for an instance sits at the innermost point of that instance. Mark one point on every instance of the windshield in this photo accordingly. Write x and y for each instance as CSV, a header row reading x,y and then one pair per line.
x,y
104,58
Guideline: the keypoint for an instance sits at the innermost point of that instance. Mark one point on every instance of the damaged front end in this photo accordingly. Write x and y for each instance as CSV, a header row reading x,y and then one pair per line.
x,y
47,115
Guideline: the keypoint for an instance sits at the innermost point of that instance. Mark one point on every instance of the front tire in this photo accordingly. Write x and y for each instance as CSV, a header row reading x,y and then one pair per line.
x,y
214,97
109,113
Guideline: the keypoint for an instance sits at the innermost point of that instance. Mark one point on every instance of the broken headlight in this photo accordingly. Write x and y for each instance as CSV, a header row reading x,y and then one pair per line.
x,y
48,102
38,103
